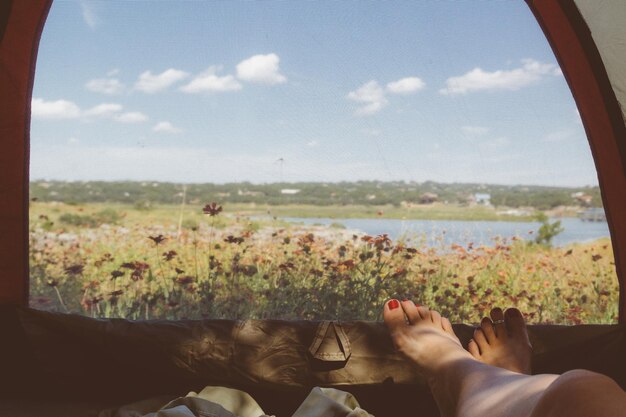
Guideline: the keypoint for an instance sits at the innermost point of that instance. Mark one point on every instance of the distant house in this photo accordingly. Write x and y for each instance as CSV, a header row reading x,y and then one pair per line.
x,y
289,191
582,198
482,199
428,198
249,193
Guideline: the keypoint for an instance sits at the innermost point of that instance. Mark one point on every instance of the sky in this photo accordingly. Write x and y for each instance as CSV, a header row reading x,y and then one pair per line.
x,y
193,91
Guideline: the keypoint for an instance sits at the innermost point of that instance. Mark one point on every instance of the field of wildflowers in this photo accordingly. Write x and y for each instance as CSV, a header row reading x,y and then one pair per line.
x,y
219,265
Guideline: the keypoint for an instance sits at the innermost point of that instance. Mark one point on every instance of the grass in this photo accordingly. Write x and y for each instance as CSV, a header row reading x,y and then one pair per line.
x,y
229,266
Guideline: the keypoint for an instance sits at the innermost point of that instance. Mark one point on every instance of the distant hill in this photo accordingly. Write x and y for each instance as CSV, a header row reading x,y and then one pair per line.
x,y
340,193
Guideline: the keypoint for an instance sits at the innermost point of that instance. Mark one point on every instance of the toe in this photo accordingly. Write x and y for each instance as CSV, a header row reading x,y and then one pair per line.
x,y
515,323
393,315
410,311
481,340
472,347
436,318
424,312
447,326
497,315
487,326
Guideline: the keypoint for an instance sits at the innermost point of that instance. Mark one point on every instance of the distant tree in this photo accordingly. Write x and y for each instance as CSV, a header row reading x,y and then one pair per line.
x,y
547,231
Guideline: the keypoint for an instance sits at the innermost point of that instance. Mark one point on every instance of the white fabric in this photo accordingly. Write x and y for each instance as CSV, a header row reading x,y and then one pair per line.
x,y
606,20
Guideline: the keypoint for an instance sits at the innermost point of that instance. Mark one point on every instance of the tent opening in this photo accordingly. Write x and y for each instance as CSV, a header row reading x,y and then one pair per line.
x,y
302,162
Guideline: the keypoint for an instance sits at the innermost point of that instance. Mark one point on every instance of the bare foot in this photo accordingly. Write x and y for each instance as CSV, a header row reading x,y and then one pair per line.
x,y
423,336
503,342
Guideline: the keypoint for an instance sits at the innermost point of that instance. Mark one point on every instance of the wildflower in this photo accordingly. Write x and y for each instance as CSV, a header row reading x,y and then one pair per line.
x,y
157,239
184,280
116,293
116,274
212,209
179,271
232,239
168,256
596,258
249,270
286,266
52,282
76,269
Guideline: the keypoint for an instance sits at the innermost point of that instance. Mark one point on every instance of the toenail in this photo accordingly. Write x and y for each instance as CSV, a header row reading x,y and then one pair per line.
x,y
393,304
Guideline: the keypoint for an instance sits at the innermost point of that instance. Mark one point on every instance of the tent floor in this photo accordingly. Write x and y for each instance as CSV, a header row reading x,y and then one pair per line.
x,y
74,365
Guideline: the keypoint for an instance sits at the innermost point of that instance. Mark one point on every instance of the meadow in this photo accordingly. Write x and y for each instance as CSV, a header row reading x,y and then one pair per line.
x,y
209,262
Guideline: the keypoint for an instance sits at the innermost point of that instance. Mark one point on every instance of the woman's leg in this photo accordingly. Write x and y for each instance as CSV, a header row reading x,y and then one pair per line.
x,y
470,385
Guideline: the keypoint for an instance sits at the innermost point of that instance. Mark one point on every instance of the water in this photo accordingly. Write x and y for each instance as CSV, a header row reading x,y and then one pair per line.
x,y
446,232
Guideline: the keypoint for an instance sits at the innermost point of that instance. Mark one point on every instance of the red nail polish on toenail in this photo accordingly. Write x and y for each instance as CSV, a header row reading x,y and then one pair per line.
x,y
393,304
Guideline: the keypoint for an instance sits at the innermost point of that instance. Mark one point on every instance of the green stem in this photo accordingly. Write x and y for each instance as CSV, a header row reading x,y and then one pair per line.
x,y
61,299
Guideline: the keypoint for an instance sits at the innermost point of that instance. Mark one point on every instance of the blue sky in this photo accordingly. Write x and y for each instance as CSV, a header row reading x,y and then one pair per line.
x,y
221,91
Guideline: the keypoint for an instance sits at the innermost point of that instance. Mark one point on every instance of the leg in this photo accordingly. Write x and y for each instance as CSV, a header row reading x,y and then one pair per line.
x,y
467,387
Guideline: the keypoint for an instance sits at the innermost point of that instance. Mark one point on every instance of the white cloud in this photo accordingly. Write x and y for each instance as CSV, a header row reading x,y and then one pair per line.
x,y
73,141
58,109
153,83
131,117
261,69
108,86
475,130
166,127
113,72
312,143
210,82
477,79
89,14
104,110
407,85
64,109
371,96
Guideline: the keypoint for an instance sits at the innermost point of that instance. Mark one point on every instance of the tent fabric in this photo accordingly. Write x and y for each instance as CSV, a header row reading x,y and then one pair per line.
x,y
21,23
569,35
68,357
606,25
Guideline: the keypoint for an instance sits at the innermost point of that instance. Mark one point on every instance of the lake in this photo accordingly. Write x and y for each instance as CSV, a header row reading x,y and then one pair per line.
x,y
446,232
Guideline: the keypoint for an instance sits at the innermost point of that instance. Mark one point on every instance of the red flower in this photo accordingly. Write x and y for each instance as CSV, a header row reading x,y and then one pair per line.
x,y
168,256
232,239
116,274
212,209
157,239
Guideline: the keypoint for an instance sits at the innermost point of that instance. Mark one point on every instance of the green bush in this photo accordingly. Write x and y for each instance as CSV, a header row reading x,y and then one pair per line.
x,y
83,220
108,216
547,231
